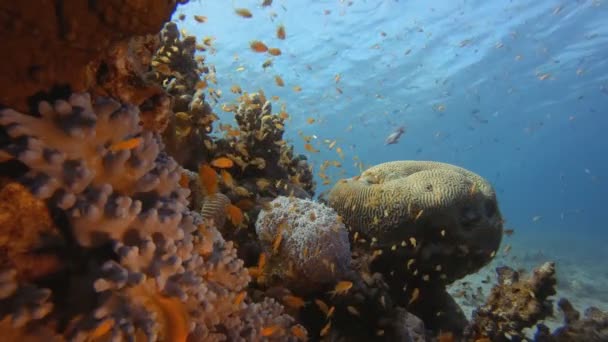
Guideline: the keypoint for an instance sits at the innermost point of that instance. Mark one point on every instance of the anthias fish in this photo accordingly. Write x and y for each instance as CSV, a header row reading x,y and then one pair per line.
x,y
393,138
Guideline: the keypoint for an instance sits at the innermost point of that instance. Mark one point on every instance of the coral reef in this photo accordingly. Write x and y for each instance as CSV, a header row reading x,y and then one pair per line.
x,y
593,327
177,69
440,220
164,275
55,44
514,304
306,243
268,165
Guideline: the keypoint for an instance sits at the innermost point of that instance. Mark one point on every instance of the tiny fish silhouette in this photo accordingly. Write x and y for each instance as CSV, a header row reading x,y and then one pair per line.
x,y
393,138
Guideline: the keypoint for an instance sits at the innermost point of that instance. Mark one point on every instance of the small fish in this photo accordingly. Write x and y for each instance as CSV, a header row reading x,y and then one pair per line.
x,y
353,311
325,329
266,3
536,218
222,163
310,148
258,46
243,12
393,138
128,144
270,330
281,32
415,295
235,89
274,51
235,215
341,288
310,120
297,89
544,76
208,178
509,232
294,301
200,18
322,306
267,63
241,68
239,298
279,81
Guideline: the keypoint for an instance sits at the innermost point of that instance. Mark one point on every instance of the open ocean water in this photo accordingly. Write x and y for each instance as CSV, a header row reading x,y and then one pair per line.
x,y
516,91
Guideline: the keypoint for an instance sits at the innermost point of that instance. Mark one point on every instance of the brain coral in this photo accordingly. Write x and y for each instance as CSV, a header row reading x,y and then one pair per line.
x,y
439,220
307,242
162,275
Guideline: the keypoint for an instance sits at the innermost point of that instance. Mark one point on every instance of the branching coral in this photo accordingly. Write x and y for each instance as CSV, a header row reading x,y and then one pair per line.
x,y
267,163
178,71
169,277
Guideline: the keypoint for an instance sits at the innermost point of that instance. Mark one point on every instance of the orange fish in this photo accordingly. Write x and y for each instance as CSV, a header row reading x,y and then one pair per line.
x,y
322,306
297,89
227,178
325,329
258,46
128,144
279,81
415,295
243,12
239,298
342,287
222,163
200,18
102,329
270,330
208,178
310,120
274,51
245,204
310,148
294,301
281,32
235,215
201,85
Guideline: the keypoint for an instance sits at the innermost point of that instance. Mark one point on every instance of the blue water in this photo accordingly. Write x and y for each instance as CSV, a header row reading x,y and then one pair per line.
x,y
523,84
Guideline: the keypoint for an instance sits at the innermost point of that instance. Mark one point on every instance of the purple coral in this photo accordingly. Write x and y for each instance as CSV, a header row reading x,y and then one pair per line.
x,y
165,265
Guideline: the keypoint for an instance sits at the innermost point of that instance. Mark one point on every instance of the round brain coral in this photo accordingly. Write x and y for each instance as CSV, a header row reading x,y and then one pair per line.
x,y
424,220
306,241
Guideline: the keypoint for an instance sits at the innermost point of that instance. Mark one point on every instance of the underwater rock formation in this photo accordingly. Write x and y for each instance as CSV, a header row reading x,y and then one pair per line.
x,y
54,44
593,327
306,244
514,304
440,220
155,271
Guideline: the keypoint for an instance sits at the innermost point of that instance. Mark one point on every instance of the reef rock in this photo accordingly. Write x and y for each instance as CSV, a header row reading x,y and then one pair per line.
x,y
54,44
593,327
514,304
